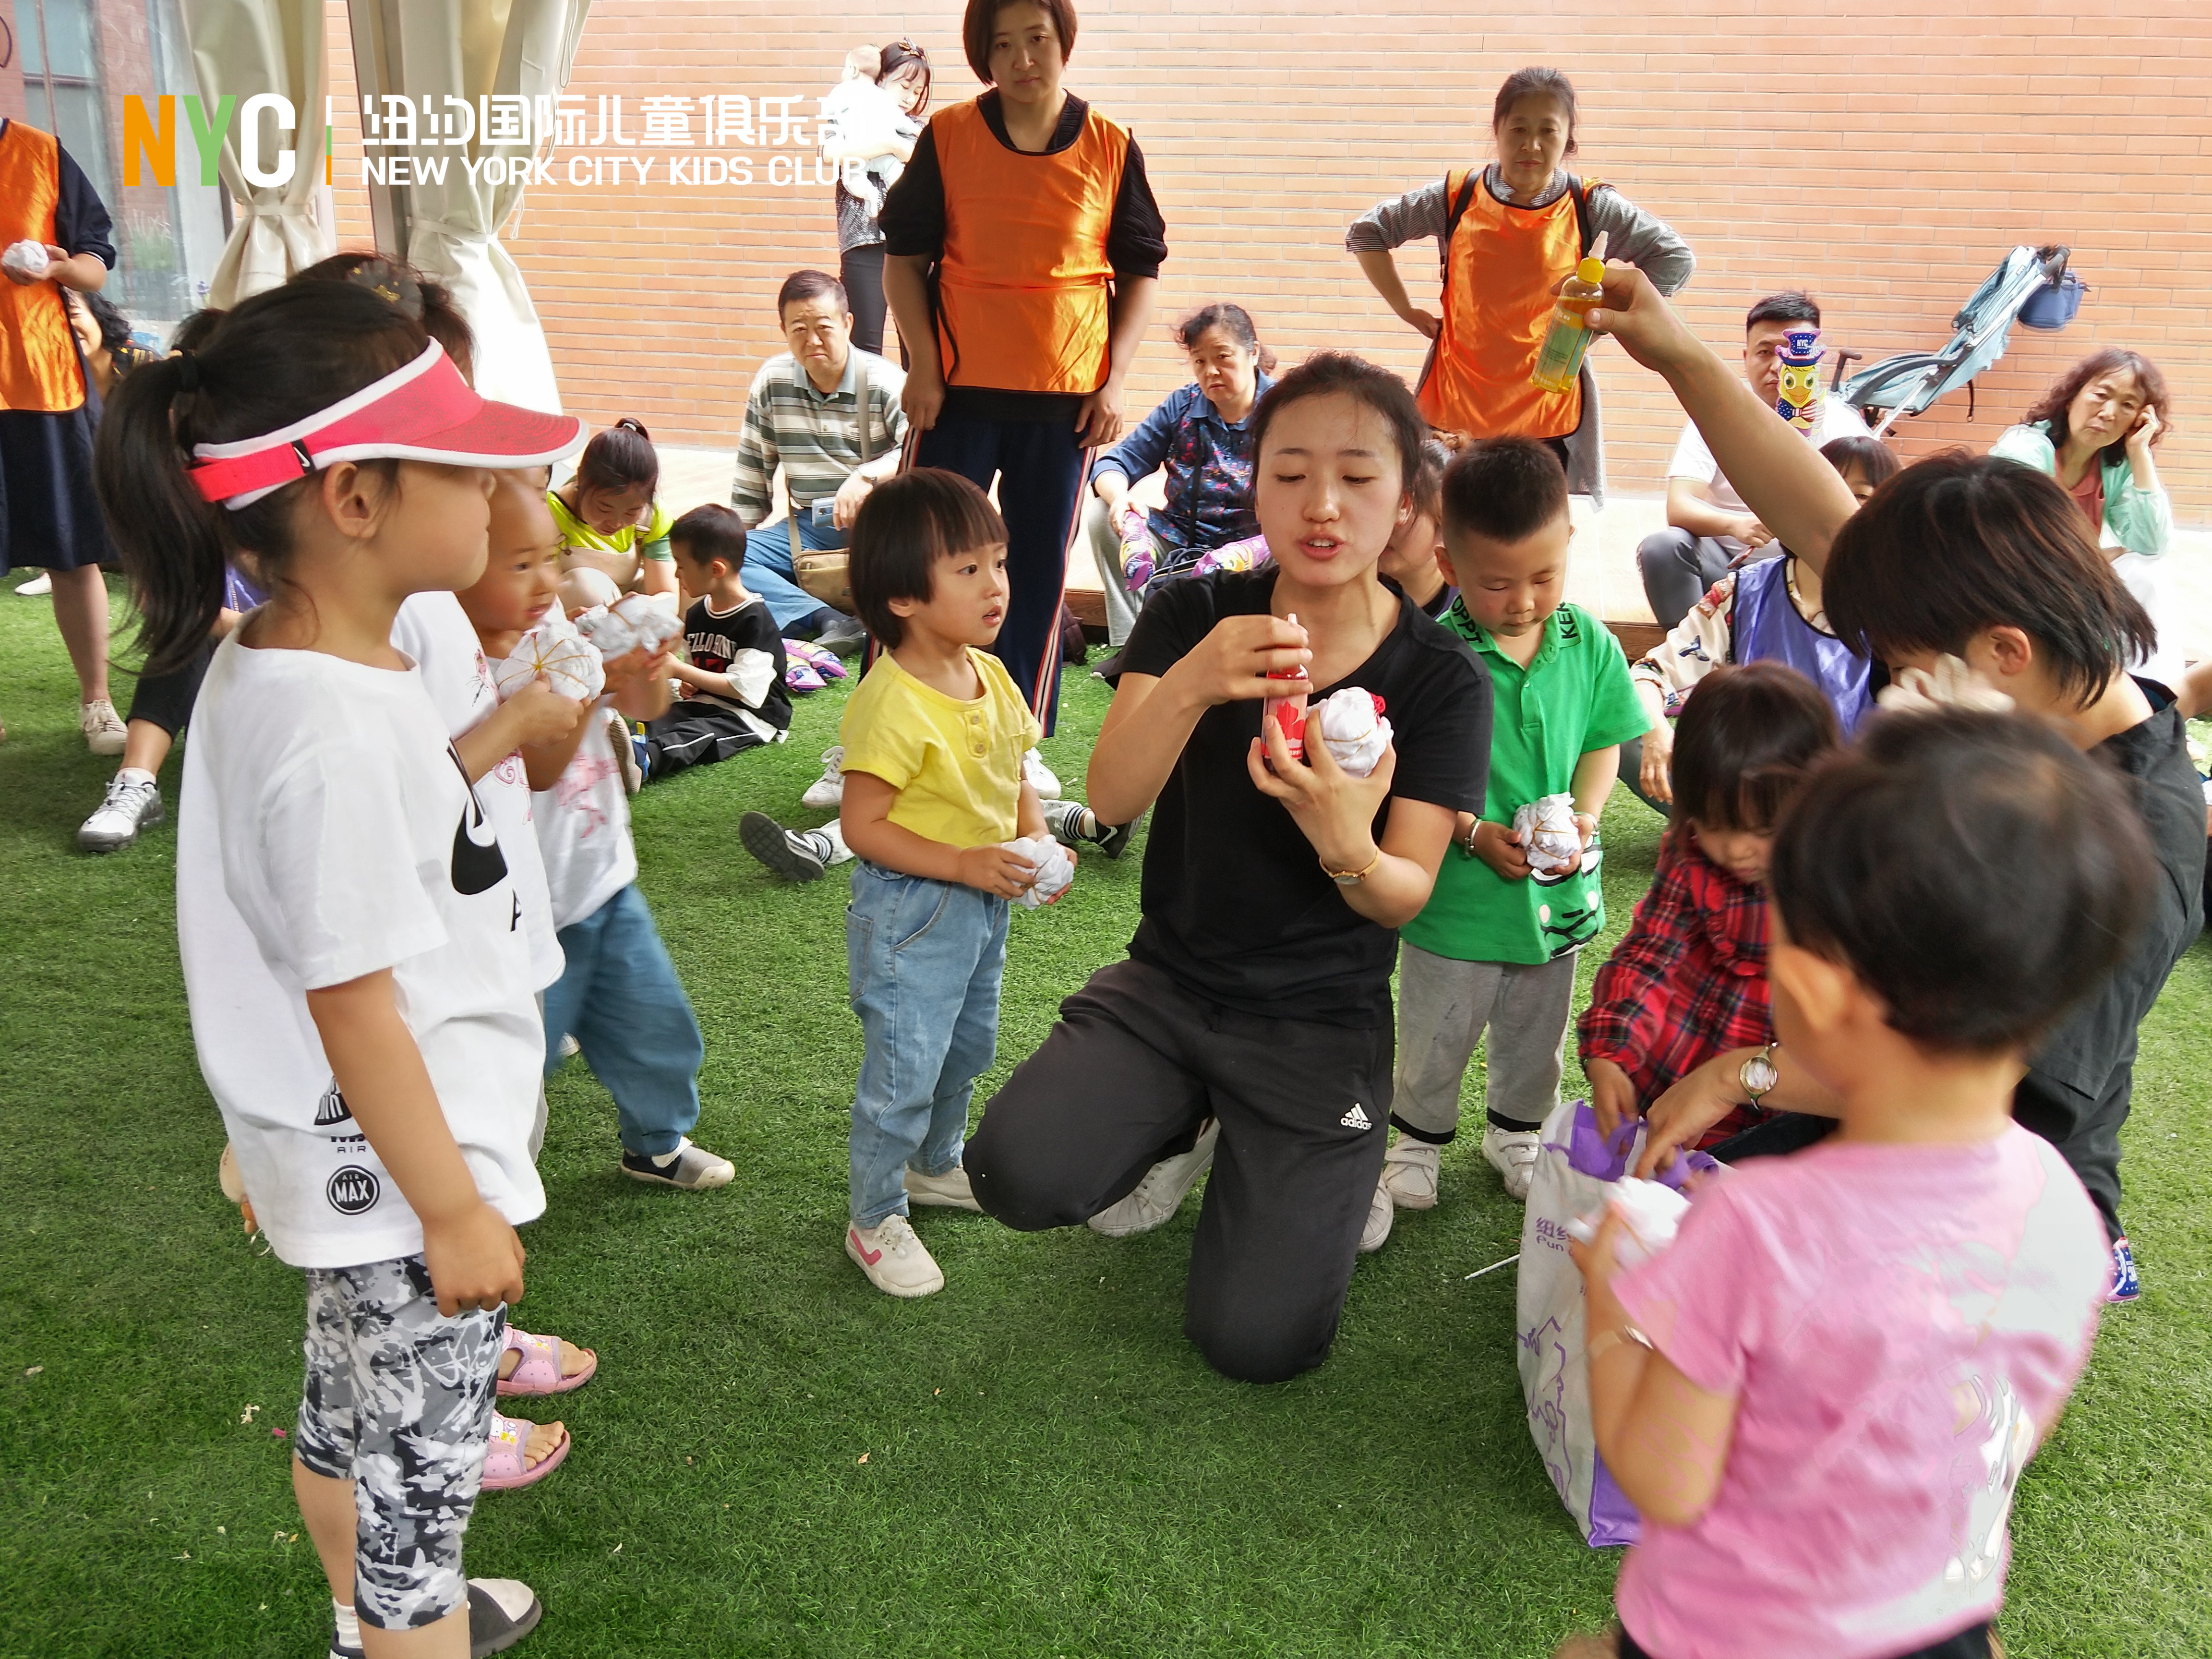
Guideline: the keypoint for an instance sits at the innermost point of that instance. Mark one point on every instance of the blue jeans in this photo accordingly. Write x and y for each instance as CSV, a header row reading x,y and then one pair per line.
x,y
619,997
769,570
923,959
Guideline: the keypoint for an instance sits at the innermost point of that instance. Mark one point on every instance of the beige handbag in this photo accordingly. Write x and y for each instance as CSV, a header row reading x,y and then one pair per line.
x,y
827,574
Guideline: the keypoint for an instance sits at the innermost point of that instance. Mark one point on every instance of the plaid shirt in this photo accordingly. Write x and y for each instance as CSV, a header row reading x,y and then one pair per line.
x,y
1688,983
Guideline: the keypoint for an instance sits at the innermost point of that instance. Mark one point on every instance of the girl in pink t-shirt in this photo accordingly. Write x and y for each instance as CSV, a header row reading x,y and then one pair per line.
x,y
1820,1396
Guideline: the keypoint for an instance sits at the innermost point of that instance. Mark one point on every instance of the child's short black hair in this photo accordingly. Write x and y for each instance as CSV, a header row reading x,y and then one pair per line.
x,y
1960,542
1973,870
908,522
1875,460
1505,488
1747,739
710,533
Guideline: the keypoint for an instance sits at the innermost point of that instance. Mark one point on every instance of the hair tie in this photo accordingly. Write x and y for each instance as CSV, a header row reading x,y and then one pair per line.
x,y
188,371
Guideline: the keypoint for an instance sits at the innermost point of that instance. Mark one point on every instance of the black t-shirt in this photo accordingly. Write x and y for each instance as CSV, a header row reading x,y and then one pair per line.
x,y
912,223
2086,1066
712,643
1236,906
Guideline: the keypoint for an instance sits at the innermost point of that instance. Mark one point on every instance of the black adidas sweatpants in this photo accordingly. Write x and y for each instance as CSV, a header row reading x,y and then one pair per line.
x,y
696,734
1134,1065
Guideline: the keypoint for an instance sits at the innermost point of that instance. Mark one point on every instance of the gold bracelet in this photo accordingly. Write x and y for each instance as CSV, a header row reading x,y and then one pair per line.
x,y
1606,1342
1352,878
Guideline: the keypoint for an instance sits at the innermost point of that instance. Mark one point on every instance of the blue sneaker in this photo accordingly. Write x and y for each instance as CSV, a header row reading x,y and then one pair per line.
x,y
2126,1285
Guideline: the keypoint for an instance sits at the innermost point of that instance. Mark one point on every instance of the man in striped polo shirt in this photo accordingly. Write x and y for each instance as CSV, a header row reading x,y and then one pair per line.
x,y
829,412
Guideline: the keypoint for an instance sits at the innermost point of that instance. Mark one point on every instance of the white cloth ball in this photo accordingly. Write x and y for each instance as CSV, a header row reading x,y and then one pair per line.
x,y
1055,869
1649,1212
1550,838
1352,727
29,256
559,652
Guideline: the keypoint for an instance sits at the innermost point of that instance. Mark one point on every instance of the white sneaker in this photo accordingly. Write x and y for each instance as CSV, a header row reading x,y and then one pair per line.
x,y
949,1189
103,728
132,803
1161,1193
570,1047
1409,1173
40,584
827,791
1039,777
894,1259
1512,1153
1380,1210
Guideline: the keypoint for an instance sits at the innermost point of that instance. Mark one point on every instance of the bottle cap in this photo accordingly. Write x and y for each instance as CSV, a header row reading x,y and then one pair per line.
x,y
1592,268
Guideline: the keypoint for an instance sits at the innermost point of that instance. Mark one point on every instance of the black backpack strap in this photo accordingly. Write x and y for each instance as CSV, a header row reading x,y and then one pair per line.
x,y
1456,211
1583,193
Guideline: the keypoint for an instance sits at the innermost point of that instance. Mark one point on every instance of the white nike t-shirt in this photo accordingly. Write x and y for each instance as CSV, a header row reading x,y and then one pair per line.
x,y
583,827
326,832
434,629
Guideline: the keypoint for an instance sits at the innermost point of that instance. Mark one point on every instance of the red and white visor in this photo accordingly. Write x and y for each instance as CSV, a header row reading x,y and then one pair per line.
x,y
423,412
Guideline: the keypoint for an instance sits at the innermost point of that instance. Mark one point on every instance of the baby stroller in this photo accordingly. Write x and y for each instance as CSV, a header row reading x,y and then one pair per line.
x,y
2032,284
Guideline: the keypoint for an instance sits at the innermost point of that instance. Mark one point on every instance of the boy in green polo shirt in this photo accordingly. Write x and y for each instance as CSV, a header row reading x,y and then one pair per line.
x,y
1496,945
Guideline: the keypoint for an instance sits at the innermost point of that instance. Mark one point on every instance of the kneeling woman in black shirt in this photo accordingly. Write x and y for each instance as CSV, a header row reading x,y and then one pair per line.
x,y
1251,1024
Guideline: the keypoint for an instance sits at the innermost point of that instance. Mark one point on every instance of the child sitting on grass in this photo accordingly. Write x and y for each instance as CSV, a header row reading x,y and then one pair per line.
x,y
1495,945
1689,981
617,994
609,519
734,697
935,737
1821,1397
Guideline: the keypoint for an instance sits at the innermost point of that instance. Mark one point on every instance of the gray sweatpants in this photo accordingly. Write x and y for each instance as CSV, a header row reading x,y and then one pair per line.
x,y
1443,1008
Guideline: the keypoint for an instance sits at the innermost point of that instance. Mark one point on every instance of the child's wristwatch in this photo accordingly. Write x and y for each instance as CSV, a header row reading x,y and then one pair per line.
x,y
1760,1074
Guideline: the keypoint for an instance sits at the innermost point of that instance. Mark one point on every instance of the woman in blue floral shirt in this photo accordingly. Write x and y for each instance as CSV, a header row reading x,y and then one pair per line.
x,y
1200,435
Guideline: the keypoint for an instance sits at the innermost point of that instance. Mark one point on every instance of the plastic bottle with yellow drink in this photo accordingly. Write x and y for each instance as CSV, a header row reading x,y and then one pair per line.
x,y
1559,360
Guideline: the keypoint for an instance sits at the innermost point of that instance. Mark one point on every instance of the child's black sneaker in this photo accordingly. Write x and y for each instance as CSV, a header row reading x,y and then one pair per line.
x,y
1074,824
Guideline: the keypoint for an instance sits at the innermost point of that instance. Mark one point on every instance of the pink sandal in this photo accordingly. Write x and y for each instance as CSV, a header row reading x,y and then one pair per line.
x,y
505,1467
540,1373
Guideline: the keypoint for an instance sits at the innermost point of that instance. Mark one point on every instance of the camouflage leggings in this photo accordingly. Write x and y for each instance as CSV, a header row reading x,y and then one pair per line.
x,y
400,1401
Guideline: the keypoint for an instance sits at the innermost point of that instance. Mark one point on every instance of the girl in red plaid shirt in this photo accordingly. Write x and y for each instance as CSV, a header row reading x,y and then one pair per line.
x,y
1689,981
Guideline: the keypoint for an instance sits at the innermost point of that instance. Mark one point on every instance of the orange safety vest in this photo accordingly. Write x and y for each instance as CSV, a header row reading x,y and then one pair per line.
x,y
1500,263
39,367
1024,302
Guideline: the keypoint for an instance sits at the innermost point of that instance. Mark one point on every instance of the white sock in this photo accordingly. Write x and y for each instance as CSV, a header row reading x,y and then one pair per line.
x,y
349,1625
134,774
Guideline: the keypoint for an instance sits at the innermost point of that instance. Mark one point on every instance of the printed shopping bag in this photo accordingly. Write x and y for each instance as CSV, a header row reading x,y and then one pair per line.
x,y
1575,1170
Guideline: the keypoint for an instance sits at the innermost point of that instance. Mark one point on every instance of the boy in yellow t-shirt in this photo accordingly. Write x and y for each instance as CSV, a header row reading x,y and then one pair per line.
x,y
934,736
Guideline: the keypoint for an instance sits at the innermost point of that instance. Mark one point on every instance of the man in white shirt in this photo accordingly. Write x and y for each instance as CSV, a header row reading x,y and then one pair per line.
x,y
1710,530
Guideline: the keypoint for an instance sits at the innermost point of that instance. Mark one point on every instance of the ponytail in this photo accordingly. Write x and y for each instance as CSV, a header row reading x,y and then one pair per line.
x,y
173,548
280,357
620,458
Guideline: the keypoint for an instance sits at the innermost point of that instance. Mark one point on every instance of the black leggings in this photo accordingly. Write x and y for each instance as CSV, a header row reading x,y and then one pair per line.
x,y
167,700
1972,1643
861,269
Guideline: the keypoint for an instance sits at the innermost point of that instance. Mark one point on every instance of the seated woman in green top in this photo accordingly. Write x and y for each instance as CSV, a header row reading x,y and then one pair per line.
x,y
608,518
2094,431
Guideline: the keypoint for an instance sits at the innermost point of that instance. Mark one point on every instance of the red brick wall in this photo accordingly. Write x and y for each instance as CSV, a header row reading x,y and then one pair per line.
x,y
1884,155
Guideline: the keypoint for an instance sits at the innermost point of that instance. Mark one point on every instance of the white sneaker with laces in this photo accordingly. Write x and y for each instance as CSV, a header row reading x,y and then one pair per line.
x,y
1512,1153
1380,1211
828,790
103,728
1039,776
131,804
893,1258
1161,1193
949,1189
1411,1170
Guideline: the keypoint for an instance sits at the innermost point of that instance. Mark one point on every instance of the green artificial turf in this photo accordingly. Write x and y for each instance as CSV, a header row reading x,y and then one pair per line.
x,y
775,1458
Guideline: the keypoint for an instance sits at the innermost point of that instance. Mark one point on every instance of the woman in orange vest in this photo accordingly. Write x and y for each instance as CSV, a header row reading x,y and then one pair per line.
x,y
1507,232
49,515
1022,245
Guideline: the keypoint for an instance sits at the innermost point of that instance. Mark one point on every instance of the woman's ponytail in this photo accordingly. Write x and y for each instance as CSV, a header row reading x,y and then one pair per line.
x,y
171,539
